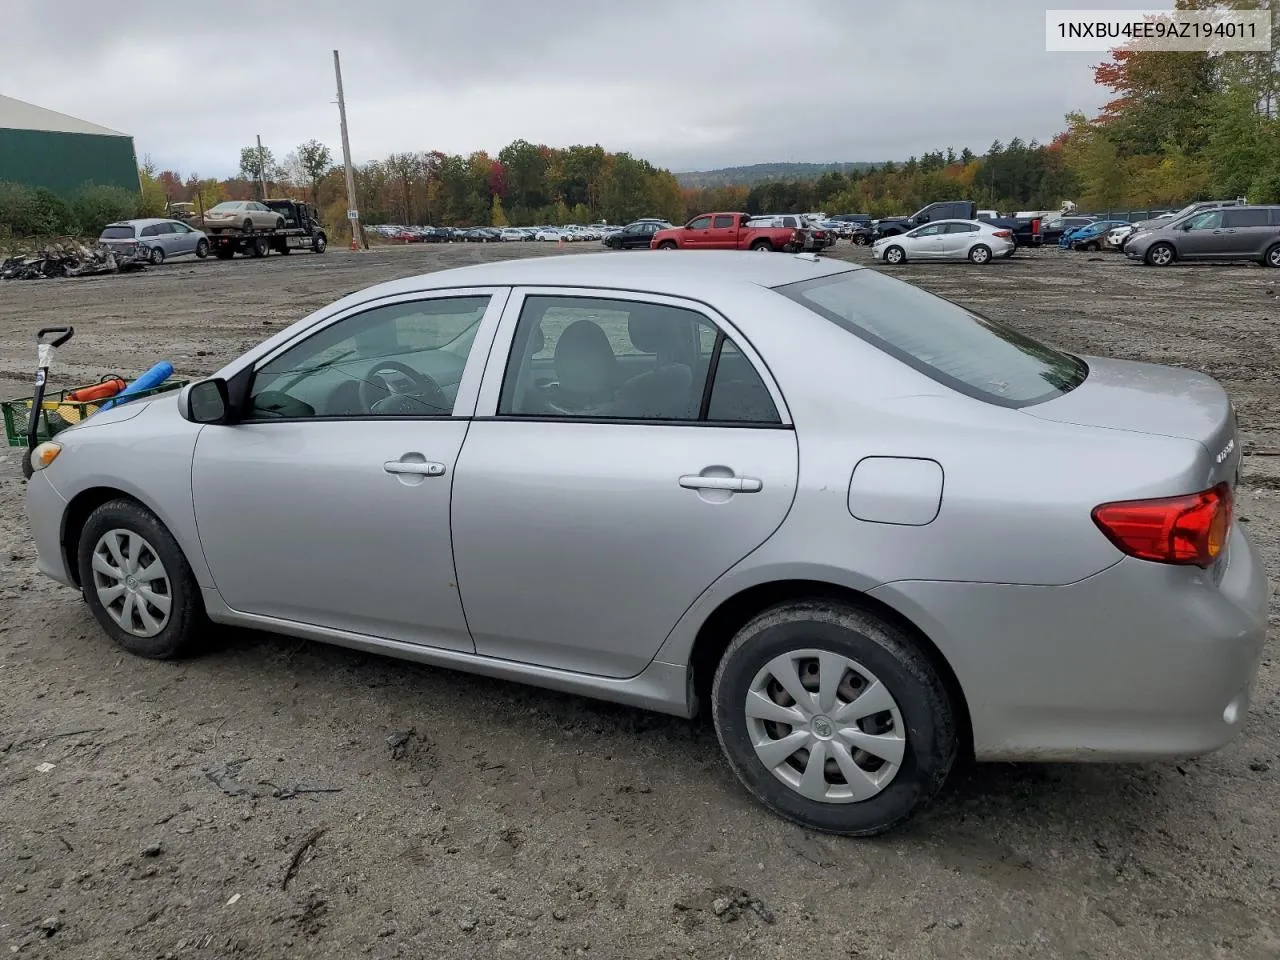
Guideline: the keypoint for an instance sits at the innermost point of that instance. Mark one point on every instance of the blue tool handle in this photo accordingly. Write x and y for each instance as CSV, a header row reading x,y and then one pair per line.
x,y
157,375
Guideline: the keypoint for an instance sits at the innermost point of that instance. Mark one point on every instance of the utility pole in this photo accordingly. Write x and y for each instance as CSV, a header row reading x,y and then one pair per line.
x,y
262,170
353,213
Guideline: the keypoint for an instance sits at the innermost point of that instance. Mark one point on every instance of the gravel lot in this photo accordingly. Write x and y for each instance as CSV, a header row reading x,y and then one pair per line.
x,y
464,817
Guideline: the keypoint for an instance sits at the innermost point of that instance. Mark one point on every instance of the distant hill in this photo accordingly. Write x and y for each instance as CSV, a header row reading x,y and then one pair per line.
x,y
749,176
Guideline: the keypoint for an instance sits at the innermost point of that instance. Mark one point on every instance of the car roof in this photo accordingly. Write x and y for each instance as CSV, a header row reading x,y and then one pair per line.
x,y
696,274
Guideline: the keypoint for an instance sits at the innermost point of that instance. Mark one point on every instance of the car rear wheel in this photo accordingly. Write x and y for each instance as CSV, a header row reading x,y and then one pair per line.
x,y
980,254
202,249
156,256
1160,255
762,246
260,247
1272,257
137,582
895,254
833,718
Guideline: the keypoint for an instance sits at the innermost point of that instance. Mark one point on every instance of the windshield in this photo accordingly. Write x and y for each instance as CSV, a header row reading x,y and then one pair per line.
x,y
955,346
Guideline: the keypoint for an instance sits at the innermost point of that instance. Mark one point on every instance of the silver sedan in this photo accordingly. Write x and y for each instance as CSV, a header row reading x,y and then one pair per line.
x,y
655,481
970,240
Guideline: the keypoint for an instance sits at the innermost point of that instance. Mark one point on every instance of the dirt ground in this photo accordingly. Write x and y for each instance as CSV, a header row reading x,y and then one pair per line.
x,y
280,798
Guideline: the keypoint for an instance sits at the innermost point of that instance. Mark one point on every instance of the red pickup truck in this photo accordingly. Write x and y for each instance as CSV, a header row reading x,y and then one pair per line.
x,y
726,231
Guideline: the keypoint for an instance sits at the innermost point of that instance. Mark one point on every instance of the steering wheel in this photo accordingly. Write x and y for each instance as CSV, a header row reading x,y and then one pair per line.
x,y
378,395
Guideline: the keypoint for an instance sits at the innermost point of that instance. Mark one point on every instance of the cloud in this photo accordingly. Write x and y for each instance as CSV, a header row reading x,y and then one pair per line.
x,y
684,83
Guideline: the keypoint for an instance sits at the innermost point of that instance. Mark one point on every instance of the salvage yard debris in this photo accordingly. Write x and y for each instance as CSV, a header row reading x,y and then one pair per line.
x,y
67,258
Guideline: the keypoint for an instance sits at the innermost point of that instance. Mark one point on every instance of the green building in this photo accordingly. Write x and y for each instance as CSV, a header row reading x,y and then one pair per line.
x,y
40,148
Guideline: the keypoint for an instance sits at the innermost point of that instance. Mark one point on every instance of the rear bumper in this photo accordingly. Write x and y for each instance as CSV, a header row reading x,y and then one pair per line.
x,y
1142,661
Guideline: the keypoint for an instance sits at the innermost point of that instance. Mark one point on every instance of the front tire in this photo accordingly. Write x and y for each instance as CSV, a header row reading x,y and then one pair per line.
x,y
980,254
1160,255
319,244
895,255
137,582
823,682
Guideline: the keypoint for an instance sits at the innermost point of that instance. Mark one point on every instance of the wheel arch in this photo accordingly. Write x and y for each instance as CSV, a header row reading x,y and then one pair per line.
x,y
81,506
718,629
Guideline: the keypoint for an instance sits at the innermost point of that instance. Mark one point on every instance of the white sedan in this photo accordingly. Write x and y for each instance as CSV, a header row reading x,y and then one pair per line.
x,y
946,240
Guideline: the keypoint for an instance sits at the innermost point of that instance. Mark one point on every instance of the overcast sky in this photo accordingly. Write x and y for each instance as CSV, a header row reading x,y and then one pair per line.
x,y
687,84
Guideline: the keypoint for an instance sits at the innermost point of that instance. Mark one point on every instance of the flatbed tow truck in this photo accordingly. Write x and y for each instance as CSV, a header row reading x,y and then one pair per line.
x,y
301,231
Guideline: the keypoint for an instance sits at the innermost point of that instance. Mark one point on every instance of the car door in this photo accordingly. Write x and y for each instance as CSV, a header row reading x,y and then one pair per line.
x,y
328,504
602,488
925,243
724,232
174,241
1201,237
1248,229
183,239
697,232
955,238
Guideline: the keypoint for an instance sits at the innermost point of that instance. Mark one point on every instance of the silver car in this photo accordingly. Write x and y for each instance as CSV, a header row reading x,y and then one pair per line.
x,y
866,529
159,239
246,215
946,240
1226,233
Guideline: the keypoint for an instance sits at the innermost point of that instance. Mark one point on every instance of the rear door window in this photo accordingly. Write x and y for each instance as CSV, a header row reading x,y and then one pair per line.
x,y
1245,217
723,223
956,347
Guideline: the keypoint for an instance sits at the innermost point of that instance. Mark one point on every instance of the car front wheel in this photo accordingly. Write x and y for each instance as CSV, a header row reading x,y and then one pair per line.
x,y
1160,255
833,718
895,255
137,582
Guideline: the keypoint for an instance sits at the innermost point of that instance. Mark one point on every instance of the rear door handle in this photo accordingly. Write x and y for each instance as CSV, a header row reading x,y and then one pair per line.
x,y
732,484
423,469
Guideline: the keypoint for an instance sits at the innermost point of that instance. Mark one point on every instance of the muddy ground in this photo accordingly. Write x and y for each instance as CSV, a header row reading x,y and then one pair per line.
x,y
463,817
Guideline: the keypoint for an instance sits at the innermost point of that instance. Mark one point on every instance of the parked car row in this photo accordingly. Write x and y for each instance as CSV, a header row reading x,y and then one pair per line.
x,y
569,233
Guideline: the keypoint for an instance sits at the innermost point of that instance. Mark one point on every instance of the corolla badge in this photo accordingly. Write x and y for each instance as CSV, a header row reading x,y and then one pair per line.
x,y
1226,451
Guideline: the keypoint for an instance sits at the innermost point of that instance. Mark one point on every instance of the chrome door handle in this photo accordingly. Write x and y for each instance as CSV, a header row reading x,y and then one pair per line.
x,y
427,469
732,484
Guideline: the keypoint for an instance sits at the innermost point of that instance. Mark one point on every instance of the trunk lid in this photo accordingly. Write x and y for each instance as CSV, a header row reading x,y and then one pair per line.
x,y
1152,399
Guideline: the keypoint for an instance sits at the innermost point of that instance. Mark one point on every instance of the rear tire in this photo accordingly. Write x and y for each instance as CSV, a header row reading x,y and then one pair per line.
x,y
156,256
153,590
980,253
762,246
881,764
1160,255
1272,257
202,249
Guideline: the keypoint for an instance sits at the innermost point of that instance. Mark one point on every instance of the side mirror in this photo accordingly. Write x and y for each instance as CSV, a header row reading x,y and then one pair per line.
x,y
205,402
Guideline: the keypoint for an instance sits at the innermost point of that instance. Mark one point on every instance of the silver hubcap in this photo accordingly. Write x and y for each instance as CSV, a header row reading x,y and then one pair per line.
x,y
1161,255
894,255
825,726
131,583
980,256
1275,257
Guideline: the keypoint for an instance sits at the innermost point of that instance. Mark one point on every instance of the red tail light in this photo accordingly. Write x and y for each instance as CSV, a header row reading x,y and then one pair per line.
x,y
1006,234
1035,225
1190,529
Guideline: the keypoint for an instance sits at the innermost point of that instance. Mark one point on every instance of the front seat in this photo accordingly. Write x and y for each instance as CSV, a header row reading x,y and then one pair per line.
x,y
585,366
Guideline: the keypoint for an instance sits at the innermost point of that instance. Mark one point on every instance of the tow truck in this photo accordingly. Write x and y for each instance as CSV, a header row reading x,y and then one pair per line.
x,y
301,231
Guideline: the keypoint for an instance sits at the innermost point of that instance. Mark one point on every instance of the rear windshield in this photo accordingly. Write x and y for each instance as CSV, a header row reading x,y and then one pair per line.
x,y
117,233
956,347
